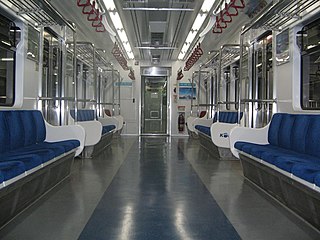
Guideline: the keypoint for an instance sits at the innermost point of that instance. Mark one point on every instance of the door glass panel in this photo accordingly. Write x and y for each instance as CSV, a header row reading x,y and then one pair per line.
x,y
310,66
51,78
154,105
69,85
7,69
262,84
9,37
226,76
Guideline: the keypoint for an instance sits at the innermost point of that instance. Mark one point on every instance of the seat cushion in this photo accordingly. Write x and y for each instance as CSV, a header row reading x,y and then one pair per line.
x,y
317,180
275,152
239,145
67,145
306,171
286,163
203,129
30,160
254,149
37,151
83,115
20,128
296,132
107,128
11,169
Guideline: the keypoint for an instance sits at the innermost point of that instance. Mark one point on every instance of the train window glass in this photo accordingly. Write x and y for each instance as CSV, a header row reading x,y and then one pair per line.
x,y
51,77
228,86
69,82
262,81
33,44
310,66
9,38
282,47
7,68
85,82
214,94
236,85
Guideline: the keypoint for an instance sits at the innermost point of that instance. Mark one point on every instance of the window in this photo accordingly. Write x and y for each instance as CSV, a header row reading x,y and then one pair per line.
x,y
310,66
9,37
228,87
33,44
236,85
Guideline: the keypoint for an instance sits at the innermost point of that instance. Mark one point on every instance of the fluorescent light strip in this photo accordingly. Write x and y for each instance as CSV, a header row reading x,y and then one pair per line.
x,y
197,24
117,23
6,59
158,9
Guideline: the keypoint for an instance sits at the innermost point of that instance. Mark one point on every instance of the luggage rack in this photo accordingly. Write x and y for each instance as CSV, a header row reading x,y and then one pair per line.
x,y
281,13
88,54
224,57
37,12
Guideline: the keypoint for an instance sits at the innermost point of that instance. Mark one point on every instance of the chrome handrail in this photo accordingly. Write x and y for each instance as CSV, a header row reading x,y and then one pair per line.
x,y
259,100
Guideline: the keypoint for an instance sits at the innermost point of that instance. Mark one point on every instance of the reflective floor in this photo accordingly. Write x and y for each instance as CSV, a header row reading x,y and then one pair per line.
x,y
70,210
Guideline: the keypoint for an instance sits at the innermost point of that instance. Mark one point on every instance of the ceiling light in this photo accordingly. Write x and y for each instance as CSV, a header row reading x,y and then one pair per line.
x,y
117,23
122,35
116,20
157,9
127,47
185,47
109,4
130,55
191,36
207,5
199,21
6,59
197,24
6,43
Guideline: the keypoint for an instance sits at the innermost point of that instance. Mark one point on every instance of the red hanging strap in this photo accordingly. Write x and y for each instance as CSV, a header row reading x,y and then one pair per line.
x,y
94,16
231,11
225,17
100,28
83,3
238,4
89,9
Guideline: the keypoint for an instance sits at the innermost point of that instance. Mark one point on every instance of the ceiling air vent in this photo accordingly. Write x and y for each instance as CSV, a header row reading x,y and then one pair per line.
x,y
156,39
155,59
184,1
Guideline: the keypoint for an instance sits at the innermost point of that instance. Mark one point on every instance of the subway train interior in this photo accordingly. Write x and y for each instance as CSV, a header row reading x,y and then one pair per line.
x,y
159,119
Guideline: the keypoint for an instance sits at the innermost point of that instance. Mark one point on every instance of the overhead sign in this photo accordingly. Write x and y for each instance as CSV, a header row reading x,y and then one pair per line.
x,y
123,84
186,84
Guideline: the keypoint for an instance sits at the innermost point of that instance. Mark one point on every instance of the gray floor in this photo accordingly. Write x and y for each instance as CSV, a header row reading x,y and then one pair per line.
x,y
63,212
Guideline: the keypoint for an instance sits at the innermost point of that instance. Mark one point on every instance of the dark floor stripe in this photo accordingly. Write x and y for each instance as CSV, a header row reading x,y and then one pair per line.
x,y
157,195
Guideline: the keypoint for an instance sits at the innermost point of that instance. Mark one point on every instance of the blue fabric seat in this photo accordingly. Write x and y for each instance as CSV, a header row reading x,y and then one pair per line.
x,y
306,171
224,117
30,160
89,115
227,117
22,142
68,145
83,115
203,129
107,128
317,180
34,150
287,163
293,144
11,169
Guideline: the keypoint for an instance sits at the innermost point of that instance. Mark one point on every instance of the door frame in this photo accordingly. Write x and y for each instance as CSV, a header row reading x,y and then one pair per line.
x,y
155,72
